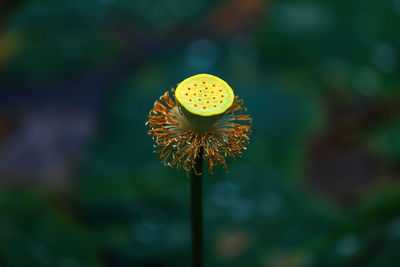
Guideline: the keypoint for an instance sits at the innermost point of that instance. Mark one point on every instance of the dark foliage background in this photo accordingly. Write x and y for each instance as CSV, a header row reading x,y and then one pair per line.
x,y
318,185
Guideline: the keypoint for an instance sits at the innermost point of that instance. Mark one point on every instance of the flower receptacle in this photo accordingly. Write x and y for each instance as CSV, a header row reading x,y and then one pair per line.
x,y
200,123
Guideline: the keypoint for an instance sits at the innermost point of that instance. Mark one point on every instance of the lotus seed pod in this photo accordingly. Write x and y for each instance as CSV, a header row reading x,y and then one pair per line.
x,y
204,99
205,115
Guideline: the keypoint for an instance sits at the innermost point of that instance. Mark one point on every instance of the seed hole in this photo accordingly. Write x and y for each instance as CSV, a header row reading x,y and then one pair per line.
x,y
186,94
195,84
190,100
214,98
222,96
195,105
206,87
212,92
204,107
200,99
220,90
208,102
200,91
221,102
213,85
188,88
205,95
204,82
214,106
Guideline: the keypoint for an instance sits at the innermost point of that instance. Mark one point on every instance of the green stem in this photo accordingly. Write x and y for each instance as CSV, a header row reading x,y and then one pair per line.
x,y
196,211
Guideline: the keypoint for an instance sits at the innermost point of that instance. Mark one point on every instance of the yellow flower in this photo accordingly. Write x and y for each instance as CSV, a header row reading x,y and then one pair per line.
x,y
205,114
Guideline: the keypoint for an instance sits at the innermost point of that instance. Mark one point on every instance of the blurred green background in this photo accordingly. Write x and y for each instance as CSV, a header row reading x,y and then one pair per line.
x,y
318,185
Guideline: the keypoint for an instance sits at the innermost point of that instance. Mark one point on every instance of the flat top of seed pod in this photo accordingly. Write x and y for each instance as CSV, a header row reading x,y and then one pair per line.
x,y
205,95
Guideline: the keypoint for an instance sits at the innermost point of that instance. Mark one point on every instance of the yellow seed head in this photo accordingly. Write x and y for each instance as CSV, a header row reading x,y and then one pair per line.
x,y
217,124
205,95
